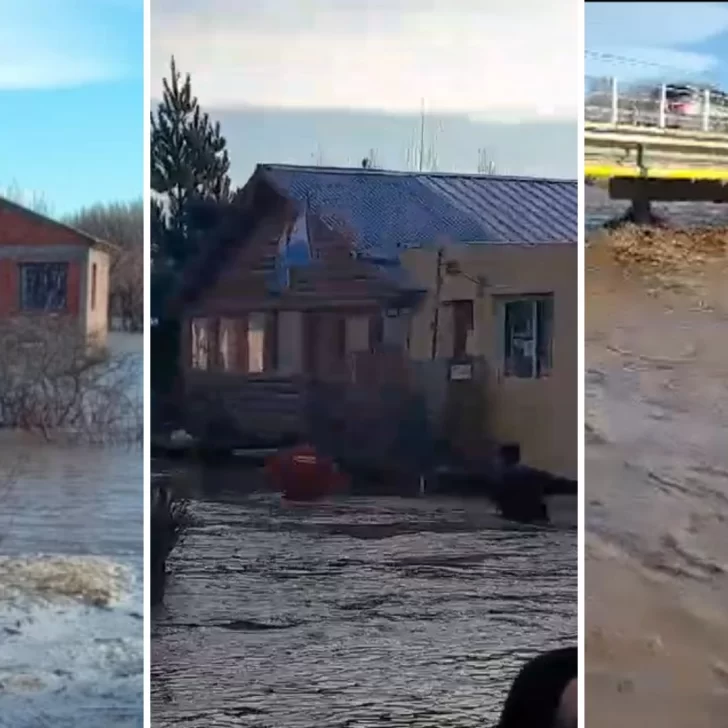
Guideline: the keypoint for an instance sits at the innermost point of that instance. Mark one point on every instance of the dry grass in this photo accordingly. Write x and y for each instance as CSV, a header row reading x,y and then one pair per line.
x,y
666,255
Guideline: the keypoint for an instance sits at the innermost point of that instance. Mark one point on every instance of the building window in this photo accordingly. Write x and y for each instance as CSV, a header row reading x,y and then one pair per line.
x,y
228,345
462,318
246,345
256,343
527,336
93,286
201,329
43,286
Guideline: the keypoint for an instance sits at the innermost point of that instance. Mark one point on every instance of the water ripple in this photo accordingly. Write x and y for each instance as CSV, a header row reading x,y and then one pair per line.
x,y
361,612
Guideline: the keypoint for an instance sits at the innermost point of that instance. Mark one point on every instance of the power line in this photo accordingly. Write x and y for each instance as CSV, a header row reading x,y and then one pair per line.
x,y
625,60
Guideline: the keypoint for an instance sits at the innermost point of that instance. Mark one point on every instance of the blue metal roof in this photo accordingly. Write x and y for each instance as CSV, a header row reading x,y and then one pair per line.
x,y
388,212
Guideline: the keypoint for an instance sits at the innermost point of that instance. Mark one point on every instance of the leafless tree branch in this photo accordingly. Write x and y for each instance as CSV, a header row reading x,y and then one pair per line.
x,y
54,383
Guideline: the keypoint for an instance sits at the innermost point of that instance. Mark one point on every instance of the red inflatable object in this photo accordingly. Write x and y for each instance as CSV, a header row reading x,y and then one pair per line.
x,y
303,474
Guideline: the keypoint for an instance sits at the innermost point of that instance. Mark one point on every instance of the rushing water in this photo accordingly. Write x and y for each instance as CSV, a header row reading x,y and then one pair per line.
x,y
656,489
657,405
362,611
71,565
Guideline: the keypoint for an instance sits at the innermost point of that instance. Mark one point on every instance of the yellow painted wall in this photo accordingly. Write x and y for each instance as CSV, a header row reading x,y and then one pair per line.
x,y
540,414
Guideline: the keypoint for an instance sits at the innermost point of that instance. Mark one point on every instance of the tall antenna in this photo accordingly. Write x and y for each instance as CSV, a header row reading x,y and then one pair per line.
x,y
421,162
485,164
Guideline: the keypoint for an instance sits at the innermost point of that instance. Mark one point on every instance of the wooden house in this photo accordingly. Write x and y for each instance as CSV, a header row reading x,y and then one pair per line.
x,y
322,302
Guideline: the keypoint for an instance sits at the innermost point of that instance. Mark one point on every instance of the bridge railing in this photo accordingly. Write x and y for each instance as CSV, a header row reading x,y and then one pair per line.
x,y
609,101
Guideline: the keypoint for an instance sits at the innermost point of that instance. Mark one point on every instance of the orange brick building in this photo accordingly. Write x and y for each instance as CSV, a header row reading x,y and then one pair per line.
x,y
48,268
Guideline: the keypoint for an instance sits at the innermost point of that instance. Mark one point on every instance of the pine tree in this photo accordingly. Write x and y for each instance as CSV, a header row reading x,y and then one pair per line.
x,y
189,163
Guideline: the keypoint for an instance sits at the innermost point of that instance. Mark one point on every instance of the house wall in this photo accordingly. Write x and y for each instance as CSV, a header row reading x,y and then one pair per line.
x,y
243,283
28,238
12,257
97,316
322,323
336,285
541,413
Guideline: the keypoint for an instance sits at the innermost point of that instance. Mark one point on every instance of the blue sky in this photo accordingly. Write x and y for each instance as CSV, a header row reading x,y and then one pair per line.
x,y
663,41
72,97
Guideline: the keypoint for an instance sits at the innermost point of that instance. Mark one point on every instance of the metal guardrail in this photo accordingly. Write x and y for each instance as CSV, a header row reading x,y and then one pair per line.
x,y
608,101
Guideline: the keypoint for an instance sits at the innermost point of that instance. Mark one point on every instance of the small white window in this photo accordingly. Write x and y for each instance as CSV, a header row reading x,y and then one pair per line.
x,y
527,335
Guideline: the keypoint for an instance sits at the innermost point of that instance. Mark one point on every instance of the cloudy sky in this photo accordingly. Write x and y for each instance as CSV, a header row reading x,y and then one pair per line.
x,y
326,80
505,60
71,93
669,41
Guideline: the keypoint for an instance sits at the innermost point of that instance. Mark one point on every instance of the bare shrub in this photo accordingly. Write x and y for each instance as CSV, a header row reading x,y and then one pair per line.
x,y
54,381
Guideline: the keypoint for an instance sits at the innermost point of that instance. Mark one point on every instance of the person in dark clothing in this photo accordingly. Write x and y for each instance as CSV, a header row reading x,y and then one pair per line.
x,y
543,695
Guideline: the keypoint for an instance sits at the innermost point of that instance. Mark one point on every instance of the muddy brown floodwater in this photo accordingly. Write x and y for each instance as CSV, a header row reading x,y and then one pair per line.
x,y
357,612
657,494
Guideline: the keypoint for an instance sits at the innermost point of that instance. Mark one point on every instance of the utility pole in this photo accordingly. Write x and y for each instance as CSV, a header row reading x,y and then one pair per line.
x,y
436,314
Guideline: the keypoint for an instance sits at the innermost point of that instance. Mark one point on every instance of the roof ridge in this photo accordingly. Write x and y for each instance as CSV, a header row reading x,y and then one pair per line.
x,y
53,221
412,173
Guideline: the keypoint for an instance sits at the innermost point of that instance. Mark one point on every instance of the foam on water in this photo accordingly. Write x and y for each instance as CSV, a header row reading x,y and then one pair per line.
x,y
67,657
88,579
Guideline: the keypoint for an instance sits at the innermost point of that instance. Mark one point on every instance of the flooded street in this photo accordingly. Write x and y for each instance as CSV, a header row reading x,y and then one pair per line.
x,y
361,611
71,581
657,493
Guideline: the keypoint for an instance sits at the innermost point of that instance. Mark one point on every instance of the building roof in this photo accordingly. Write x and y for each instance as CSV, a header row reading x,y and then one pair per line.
x,y
388,212
89,239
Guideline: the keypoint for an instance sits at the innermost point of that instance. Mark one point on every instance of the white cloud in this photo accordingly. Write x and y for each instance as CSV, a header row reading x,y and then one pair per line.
x,y
513,60
47,69
51,44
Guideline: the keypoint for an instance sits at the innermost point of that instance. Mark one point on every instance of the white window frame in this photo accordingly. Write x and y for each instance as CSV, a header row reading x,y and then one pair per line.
x,y
534,299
